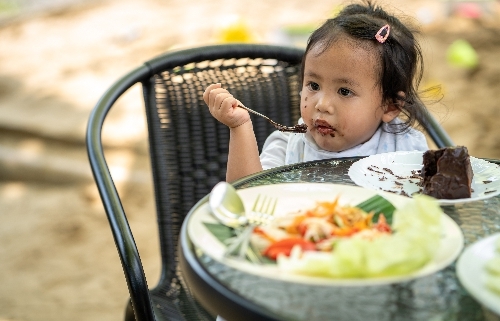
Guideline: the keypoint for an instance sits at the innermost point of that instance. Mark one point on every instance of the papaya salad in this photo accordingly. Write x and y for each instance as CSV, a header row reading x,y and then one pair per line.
x,y
337,240
317,229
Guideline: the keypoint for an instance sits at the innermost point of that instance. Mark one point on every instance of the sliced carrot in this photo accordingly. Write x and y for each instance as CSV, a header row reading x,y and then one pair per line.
x,y
262,233
294,227
345,231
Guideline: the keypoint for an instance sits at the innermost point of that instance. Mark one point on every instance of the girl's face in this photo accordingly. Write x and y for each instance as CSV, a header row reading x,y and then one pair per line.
x,y
341,100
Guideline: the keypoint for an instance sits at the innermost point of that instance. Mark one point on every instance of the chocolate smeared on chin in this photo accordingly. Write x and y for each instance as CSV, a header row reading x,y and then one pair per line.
x,y
447,173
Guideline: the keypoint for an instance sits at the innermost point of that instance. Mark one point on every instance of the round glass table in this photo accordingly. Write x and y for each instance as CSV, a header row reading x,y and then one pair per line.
x,y
237,295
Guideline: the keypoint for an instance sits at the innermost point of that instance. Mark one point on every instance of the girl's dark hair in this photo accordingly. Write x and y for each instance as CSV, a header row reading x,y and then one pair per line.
x,y
401,64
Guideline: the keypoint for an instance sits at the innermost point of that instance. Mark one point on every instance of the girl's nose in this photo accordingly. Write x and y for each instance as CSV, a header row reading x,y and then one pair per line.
x,y
325,104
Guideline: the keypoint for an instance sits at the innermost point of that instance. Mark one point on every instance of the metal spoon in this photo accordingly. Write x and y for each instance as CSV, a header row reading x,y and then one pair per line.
x,y
227,206
299,128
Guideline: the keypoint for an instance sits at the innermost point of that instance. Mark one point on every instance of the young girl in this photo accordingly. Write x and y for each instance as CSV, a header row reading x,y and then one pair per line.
x,y
359,74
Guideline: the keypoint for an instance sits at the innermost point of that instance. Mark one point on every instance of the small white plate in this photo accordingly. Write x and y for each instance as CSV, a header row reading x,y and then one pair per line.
x,y
472,274
398,172
295,196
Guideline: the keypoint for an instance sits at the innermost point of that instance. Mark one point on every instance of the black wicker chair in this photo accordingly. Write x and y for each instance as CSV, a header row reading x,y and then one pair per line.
x,y
188,150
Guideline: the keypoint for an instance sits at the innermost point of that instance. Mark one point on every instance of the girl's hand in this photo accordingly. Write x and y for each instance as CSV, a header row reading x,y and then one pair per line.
x,y
224,107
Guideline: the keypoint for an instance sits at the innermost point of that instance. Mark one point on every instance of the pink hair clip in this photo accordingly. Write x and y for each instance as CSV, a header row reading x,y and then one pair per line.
x,y
382,38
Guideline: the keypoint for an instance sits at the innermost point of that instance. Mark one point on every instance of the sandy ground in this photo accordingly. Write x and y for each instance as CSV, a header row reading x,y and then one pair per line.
x,y
57,256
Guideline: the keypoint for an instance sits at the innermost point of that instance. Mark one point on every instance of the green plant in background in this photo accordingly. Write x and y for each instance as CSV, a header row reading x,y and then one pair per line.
x,y
8,7
462,55
297,34
299,30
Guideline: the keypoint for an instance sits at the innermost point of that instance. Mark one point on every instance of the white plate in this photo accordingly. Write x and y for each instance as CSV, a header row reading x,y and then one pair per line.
x,y
370,172
472,275
295,196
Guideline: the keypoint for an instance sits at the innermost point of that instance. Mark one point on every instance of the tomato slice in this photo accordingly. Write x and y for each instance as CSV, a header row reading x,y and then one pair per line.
x,y
285,247
382,225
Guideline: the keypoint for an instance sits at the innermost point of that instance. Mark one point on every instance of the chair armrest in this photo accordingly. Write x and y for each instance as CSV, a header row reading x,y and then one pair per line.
x,y
122,233
437,133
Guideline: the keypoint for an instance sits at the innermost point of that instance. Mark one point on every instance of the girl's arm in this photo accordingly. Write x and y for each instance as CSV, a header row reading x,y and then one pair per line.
x,y
243,158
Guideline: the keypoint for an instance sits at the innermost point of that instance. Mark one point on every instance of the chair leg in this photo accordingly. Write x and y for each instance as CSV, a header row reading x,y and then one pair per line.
x,y
129,312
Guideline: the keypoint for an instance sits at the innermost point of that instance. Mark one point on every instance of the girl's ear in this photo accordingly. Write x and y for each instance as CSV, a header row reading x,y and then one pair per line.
x,y
393,108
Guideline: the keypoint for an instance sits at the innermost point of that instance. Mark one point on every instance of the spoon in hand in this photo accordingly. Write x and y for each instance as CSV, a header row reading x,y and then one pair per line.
x,y
299,128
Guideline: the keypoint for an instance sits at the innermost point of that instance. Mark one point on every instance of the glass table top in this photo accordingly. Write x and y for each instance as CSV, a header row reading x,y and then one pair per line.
x,y
439,296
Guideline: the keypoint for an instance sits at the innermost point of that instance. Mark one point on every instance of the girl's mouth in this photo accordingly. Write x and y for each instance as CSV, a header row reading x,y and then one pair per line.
x,y
324,128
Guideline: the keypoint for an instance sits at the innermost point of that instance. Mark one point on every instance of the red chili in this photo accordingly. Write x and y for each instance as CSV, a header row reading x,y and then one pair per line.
x,y
285,247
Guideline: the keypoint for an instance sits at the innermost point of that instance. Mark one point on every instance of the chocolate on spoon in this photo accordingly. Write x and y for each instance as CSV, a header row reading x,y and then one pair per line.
x,y
298,128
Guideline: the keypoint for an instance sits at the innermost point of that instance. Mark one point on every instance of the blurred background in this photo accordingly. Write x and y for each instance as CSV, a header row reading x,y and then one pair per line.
x,y
57,57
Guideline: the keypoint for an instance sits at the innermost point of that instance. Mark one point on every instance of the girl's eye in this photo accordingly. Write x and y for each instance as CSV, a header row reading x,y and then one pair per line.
x,y
345,92
313,86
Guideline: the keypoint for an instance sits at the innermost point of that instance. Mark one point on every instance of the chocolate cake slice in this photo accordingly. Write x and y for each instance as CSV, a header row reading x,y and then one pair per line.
x,y
447,173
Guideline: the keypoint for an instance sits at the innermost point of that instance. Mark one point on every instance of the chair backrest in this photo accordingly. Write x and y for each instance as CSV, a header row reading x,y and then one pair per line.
x,y
188,147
